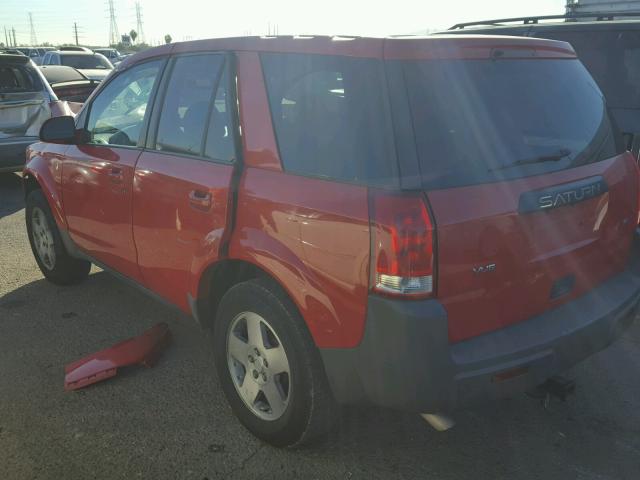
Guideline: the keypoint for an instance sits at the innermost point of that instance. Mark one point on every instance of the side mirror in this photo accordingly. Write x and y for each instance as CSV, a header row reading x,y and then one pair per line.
x,y
59,130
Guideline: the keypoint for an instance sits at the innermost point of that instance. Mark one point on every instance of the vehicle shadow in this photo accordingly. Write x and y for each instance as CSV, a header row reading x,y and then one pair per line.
x,y
595,434
11,196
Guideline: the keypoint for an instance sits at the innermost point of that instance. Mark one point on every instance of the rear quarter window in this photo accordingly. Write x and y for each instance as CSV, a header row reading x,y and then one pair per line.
x,y
330,116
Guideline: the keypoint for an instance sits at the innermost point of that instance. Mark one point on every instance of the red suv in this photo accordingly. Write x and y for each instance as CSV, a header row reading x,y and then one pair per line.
x,y
416,223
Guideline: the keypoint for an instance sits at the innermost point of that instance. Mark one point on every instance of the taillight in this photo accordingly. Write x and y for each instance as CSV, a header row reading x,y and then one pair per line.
x,y
402,234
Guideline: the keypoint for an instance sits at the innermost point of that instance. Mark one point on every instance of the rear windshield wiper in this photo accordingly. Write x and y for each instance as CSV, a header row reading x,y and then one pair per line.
x,y
554,157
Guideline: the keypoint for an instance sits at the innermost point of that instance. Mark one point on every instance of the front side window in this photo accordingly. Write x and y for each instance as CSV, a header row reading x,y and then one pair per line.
x,y
194,119
117,113
329,116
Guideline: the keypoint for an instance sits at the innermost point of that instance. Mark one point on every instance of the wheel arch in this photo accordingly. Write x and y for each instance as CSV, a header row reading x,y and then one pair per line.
x,y
216,280
221,276
32,180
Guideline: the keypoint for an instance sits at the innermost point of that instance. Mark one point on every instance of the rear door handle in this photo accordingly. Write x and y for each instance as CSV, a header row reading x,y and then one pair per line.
x,y
116,175
200,199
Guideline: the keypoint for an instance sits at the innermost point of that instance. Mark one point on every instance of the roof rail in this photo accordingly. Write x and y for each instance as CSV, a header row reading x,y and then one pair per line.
x,y
569,17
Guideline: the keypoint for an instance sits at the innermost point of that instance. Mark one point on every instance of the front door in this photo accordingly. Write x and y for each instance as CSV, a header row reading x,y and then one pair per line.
x,y
182,180
98,175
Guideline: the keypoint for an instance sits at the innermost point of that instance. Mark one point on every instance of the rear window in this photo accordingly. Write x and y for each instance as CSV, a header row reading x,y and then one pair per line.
x,y
612,57
85,61
489,120
330,116
17,78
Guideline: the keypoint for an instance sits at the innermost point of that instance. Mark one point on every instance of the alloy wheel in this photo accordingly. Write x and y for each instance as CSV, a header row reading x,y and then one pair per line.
x,y
259,366
43,238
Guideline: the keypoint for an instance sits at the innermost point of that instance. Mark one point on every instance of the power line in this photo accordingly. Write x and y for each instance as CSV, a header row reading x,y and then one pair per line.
x,y
114,36
34,39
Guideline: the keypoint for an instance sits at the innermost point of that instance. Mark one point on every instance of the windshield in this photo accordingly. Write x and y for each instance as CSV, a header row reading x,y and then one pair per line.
x,y
86,61
490,120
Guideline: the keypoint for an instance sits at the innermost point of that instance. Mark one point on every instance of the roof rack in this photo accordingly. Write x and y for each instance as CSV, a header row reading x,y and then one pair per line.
x,y
569,17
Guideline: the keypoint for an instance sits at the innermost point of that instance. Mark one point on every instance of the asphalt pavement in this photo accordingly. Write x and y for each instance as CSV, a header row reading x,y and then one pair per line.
x,y
172,421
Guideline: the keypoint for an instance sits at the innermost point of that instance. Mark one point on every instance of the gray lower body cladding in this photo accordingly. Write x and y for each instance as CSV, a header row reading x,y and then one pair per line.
x,y
405,360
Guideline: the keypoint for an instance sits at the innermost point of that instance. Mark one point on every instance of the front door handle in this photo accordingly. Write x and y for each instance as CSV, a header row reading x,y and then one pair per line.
x,y
200,199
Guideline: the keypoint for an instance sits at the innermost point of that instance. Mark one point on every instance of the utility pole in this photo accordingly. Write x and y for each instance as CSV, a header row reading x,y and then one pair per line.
x,y
15,43
6,38
75,32
33,39
114,36
139,22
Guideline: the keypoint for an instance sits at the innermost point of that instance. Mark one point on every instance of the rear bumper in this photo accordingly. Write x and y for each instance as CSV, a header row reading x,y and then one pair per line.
x,y
12,152
405,360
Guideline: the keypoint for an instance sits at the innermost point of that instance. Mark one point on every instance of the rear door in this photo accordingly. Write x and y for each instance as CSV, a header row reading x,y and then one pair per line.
x,y
98,175
534,201
183,178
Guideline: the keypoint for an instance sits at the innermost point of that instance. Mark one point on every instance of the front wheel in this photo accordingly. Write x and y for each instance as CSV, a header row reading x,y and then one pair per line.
x,y
49,251
269,368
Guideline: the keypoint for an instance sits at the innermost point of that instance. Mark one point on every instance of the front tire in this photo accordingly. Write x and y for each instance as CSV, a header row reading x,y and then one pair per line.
x,y
46,244
269,367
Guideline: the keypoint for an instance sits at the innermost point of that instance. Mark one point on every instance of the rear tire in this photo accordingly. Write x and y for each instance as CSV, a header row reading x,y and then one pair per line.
x,y
297,407
46,244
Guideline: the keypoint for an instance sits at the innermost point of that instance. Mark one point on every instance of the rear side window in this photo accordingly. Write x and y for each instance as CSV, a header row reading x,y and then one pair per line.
x,y
17,78
330,116
219,143
489,120
612,57
194,119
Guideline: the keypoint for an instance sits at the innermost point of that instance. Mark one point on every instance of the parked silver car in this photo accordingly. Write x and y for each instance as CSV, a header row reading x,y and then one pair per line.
x,y
26,101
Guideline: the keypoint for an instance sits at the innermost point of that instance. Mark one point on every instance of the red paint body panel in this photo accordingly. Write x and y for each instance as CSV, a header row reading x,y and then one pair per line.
x,y
480,225
260,149
320,45
143,349
177,239
313,237
97,183
441,46
44,163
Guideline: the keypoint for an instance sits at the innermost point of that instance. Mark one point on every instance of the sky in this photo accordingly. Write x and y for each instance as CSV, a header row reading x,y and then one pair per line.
x,y
193,19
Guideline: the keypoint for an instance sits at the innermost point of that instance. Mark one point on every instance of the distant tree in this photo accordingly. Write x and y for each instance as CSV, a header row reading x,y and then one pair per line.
x,y
167,38
133,34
